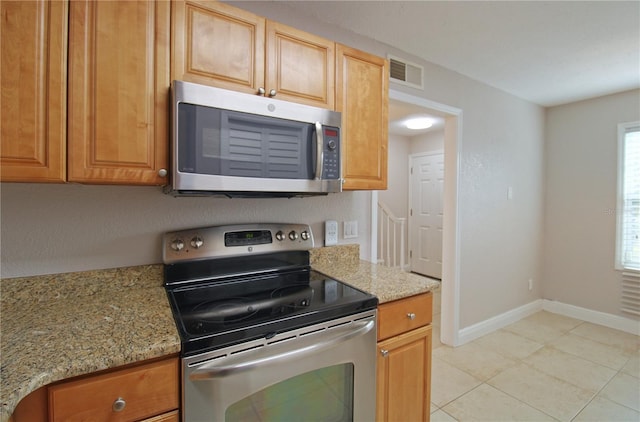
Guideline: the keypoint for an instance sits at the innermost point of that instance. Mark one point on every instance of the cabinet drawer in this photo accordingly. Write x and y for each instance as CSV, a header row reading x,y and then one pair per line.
x,y
404,315
147,390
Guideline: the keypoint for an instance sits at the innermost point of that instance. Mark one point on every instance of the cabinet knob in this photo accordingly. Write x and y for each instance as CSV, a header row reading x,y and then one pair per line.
x,y
384,353
119,404
261,91
162,172
272,93
411,316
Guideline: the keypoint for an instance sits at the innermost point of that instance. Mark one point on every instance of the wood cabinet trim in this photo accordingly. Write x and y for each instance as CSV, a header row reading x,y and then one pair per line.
x,y
398,348
97,156
318,91
34,144
182,55
393,316
365,136
149,389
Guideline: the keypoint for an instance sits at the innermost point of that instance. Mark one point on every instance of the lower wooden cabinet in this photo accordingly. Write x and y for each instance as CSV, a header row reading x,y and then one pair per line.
x,y
404,360
147,392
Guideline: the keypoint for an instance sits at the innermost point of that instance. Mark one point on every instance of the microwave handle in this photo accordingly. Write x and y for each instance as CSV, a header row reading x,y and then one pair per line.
x,y
319,151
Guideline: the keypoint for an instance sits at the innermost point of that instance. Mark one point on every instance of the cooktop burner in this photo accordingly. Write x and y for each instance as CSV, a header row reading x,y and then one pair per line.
x,y
211,315
218,302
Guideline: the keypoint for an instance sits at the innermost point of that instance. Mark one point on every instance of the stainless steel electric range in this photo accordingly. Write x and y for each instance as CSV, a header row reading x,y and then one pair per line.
x,y
264,336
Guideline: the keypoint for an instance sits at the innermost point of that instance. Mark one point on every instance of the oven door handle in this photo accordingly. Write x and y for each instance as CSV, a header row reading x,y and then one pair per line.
x,y
282,352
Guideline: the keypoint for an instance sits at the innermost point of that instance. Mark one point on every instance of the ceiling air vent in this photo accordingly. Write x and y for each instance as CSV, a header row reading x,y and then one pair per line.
x,y
406,73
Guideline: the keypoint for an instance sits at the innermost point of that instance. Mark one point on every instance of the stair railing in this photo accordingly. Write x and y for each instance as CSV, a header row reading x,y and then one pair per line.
x,y
391,243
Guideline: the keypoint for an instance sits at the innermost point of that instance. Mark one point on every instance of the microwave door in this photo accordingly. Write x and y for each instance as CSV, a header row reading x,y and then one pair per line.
x,y
239,147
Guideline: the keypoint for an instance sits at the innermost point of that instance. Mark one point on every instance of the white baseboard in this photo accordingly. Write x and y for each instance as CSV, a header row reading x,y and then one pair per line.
x,y
492,324
627,325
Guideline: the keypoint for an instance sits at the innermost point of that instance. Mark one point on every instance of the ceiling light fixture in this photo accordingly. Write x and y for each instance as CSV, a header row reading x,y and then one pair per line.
x,y
419,123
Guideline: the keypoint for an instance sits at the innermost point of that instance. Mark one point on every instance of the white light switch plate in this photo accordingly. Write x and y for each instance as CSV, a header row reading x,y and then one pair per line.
x,y
351,229
330,233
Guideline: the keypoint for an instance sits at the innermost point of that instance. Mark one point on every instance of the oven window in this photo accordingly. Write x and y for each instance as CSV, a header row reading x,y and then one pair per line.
x,y
325,394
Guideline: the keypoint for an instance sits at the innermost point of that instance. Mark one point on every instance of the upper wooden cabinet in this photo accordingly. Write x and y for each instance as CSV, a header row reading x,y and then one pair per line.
x,y
33,79
362,95
112,127
216,44
118,91
219,45
85,85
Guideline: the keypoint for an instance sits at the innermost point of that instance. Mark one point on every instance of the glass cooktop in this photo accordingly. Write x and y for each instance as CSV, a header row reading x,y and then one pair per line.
x,y
238,303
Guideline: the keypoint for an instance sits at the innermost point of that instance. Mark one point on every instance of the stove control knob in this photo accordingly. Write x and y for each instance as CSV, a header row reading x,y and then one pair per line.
x,y
293,235
196,242
177,245
280,236
305,235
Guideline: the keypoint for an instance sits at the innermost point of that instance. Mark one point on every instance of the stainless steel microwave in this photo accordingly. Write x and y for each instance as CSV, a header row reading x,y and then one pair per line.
x,y
236,144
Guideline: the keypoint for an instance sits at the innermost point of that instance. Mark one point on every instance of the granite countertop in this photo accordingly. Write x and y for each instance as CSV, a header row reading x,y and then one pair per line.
x,y
59,326
343,263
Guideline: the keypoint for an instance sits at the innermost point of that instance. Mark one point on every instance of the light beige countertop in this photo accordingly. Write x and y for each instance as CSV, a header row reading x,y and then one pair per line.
x,y
343,263
59,326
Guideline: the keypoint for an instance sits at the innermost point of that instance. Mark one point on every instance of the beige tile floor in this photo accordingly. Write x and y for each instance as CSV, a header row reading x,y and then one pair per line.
x,y
545,367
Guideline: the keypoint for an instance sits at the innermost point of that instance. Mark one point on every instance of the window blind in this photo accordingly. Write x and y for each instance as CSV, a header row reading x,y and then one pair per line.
x,y
628,255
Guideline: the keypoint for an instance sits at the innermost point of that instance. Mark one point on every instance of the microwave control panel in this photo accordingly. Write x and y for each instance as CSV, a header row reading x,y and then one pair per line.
x,y
331,154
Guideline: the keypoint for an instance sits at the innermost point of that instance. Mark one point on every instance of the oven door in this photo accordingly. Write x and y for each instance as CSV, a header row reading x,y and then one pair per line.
x,y
324,372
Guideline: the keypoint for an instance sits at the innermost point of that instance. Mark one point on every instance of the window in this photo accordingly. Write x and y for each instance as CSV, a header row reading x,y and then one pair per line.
x,y
628,215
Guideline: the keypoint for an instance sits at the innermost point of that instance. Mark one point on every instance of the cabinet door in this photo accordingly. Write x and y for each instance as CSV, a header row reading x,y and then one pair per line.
x,y
404,377
118,91
300,66
362,95
33,79
218,45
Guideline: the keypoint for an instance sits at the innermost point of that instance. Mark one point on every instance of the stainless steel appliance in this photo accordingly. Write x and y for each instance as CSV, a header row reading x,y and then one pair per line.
x,y
264,336
237,144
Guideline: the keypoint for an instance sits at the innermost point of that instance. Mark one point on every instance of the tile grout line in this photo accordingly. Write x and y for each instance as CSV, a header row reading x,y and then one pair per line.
x,y
548,343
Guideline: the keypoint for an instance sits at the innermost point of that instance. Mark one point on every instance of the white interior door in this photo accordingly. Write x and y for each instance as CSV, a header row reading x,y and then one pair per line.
x,y
425,215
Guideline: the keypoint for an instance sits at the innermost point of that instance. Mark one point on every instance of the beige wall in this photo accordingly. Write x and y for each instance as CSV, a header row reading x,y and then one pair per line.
x,y
428,142
397,195
580,204
49,229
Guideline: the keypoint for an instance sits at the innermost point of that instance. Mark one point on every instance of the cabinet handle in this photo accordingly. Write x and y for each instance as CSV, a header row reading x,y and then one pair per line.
x,y
261,91
272,93
411,316
119,404
384,353
162,173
